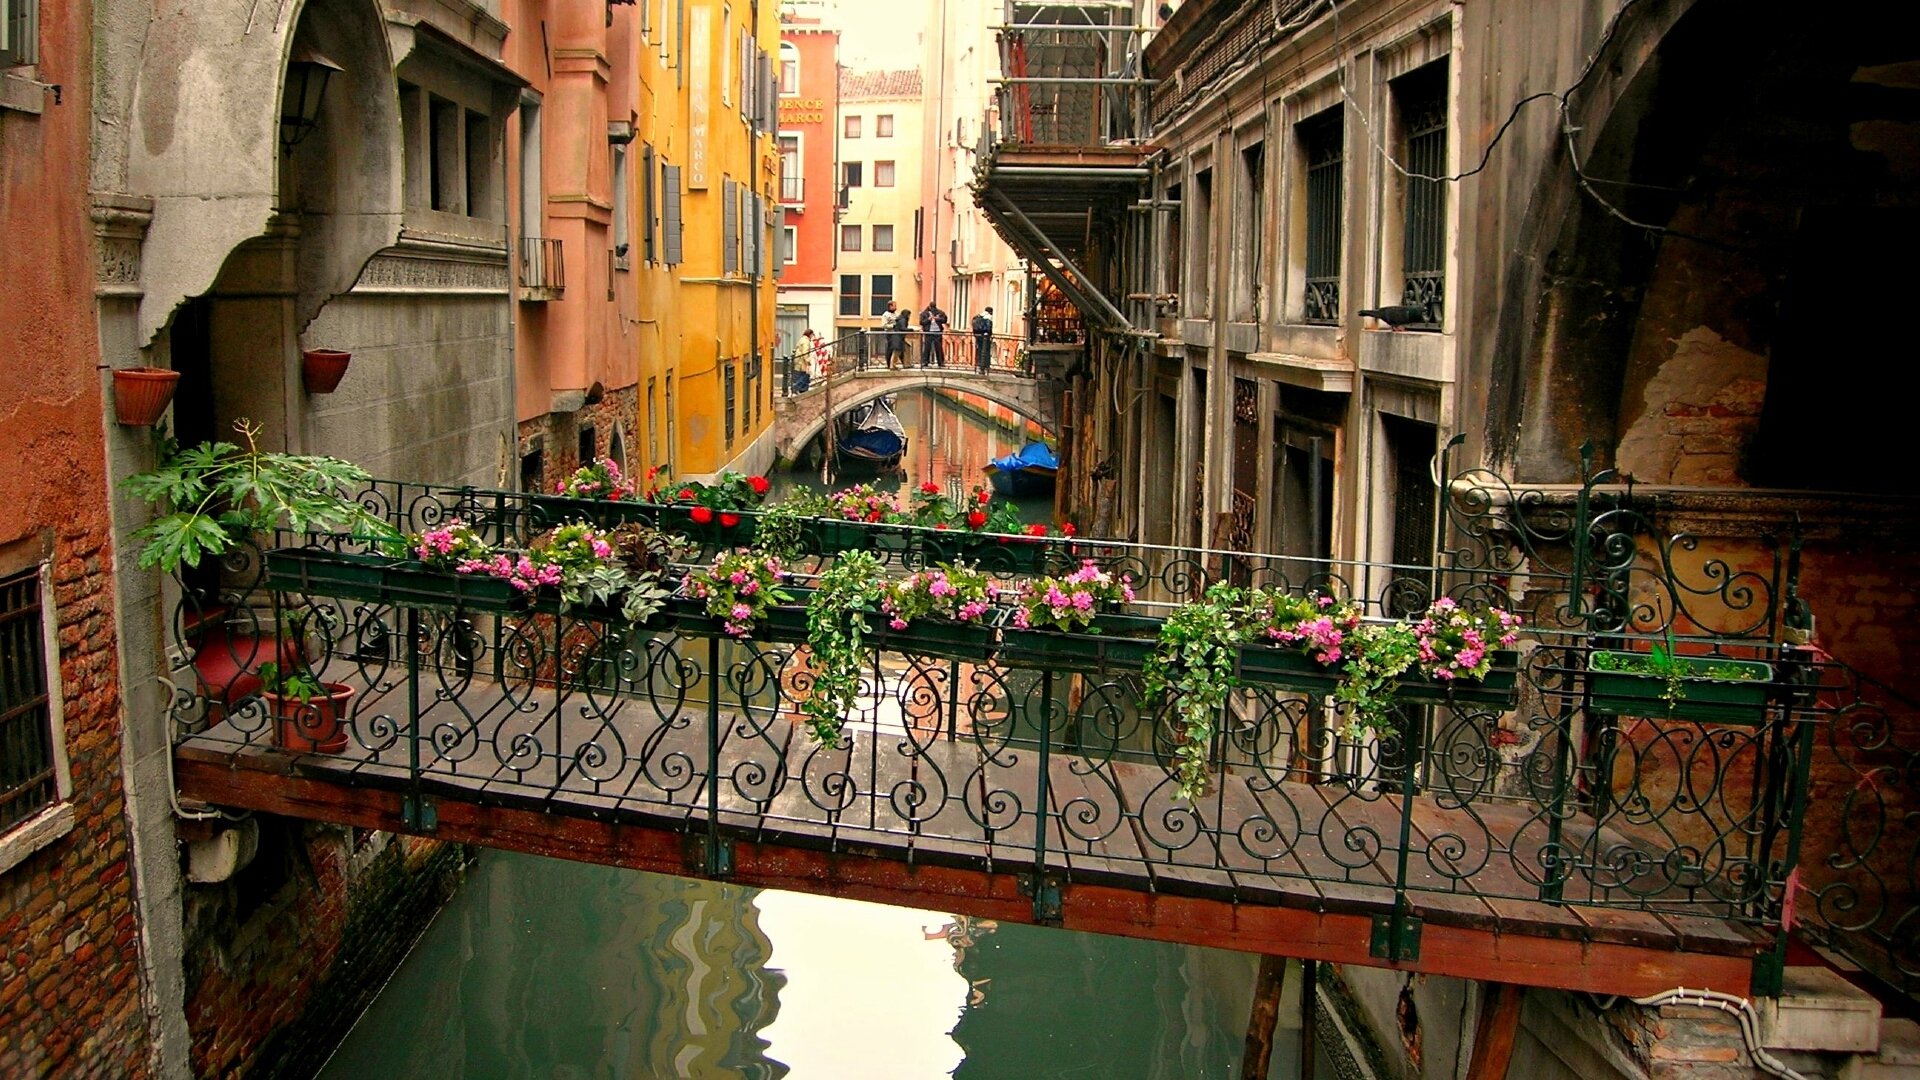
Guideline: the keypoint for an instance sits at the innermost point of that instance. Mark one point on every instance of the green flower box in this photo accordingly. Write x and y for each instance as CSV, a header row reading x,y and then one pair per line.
x,y
1697,697
1282,668
1119,643
935,637
713,534
994,554
378,579
1500,687
785,623
551,511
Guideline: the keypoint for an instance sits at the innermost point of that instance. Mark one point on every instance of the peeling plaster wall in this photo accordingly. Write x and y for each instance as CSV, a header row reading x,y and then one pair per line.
x,y
1697,415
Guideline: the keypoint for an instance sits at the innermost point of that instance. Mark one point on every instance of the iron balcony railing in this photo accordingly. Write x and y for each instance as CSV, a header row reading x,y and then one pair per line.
x,y
806,370
793,190
543,269
1551,791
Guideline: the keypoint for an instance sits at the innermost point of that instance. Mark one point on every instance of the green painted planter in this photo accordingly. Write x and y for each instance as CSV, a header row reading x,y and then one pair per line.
x,y
550,511
1123,643
936,637
785,623
1282,668
1499,689
378,579
1715,701
992,553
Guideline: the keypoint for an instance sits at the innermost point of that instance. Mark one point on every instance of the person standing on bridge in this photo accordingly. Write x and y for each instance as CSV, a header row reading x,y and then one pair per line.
x,y
893,324
933,323
983,340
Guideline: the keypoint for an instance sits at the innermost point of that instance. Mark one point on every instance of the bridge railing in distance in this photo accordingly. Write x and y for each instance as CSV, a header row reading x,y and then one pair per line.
x,y
906,350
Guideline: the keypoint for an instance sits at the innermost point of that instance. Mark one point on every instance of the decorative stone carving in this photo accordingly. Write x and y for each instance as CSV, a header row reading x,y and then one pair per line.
x,y
119,227
395,273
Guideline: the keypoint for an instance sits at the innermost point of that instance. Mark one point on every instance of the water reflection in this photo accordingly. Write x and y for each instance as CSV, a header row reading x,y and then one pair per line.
x,y
950,438
565,971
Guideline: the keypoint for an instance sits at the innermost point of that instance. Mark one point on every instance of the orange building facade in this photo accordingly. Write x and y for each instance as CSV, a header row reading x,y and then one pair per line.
x,y
809,74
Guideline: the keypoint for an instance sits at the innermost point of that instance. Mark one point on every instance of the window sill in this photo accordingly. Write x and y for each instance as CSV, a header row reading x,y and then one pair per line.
x,y
20,92
35,833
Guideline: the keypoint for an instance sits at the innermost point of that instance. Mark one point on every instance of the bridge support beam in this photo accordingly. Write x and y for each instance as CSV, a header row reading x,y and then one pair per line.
x,y
655,838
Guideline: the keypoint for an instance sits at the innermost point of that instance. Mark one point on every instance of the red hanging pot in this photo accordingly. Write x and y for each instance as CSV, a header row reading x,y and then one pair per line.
x,y
322,369
140,395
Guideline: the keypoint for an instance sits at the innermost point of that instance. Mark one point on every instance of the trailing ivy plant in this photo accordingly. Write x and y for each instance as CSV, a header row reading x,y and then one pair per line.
x,y
1193,667
837,631
1378,654
783,529
216,494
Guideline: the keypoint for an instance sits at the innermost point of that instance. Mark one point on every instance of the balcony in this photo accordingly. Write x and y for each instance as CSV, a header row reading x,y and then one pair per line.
x,y
543,269
793,192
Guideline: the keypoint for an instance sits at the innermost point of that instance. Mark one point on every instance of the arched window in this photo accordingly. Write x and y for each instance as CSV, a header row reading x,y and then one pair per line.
x,y
789,68
617,446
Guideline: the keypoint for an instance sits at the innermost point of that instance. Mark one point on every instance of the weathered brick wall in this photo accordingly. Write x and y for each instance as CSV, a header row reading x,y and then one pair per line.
x,y
69,945
560,436
282,959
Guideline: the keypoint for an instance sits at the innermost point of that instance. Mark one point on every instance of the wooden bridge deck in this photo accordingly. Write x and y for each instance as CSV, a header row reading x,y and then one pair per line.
x,y
914,818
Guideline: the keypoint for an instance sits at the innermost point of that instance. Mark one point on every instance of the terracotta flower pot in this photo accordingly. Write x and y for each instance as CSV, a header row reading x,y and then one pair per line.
x,y
140,395
314,725
322,369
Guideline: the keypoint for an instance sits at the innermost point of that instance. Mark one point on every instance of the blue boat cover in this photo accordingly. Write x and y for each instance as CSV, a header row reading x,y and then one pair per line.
x,y
1034,455
875,441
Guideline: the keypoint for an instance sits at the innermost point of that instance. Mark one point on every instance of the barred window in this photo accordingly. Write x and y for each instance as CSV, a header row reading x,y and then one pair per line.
x,y
729,383
1421,98
28,782
1321,138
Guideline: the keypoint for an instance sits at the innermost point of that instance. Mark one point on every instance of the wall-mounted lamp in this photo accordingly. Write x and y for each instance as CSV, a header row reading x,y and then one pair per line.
x,y
307,76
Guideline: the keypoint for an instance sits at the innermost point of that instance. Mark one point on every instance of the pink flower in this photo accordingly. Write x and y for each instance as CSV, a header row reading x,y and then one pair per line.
x,y
741,612
897,624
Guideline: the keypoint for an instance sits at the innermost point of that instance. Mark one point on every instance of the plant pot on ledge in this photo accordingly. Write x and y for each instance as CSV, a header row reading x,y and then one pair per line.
x,y
322,369
313,726
140,395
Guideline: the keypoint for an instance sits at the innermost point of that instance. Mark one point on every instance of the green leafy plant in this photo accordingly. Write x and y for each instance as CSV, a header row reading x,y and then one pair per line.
x,y
783,529
1316,625
730,493
1193,668
216,494
1377,654
837,631
296,684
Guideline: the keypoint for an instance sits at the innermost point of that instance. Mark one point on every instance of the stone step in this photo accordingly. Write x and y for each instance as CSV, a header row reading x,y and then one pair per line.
x,y
1818,1010
1899,1056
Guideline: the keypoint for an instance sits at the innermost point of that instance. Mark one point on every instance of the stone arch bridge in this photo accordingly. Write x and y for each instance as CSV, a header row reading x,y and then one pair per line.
x,y
798,418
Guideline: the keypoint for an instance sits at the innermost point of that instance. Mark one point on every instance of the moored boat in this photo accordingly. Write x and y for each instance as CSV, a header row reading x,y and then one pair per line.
x,y
1031,471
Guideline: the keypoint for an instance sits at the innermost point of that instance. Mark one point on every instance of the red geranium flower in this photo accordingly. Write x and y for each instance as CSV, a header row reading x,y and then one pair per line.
x,y
1067,529
986,496
873,515
976,519
687,494
701,515
759,484
930,488
941,525
728,520
1036,529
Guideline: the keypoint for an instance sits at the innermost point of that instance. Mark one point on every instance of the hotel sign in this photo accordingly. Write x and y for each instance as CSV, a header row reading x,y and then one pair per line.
x,y
802,111
699,48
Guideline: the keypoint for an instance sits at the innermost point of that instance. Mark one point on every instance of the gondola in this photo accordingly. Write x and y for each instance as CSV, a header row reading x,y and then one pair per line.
x,y
1029,472
877,439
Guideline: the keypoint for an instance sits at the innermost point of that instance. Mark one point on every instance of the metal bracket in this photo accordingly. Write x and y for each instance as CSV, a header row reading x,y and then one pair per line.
x,y
419,813
1045,890
1396,937
709,856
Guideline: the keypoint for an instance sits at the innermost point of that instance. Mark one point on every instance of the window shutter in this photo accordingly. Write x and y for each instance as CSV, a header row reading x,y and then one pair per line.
x,y
769,94
670,224
729,229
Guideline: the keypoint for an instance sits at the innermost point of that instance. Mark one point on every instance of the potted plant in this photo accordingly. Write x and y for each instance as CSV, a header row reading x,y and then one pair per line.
x,y
141,394
940,611
308,714
837,630
1192,667
742,589
1466,654
1296,642
598,492
322,369
216,494
1659,682
1065,623
722,512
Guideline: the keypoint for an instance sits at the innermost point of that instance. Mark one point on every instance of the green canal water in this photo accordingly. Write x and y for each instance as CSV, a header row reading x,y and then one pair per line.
x,y
541,969
547,970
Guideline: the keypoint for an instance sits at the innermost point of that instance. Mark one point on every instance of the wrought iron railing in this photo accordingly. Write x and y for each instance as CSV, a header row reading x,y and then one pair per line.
x,y
793,189
1554,793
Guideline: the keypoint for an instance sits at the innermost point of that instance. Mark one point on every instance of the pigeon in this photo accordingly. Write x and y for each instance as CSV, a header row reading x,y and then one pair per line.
x,y
1399,315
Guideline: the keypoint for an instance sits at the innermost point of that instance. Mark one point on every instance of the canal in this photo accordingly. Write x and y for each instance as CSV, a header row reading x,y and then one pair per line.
x,y
540,969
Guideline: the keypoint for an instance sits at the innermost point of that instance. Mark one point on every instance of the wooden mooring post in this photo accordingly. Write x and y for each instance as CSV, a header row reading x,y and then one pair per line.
x,y
1261,1019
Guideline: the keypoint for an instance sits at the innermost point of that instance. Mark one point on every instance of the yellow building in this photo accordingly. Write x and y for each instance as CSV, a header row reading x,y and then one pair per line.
x,y
644,179
882,225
